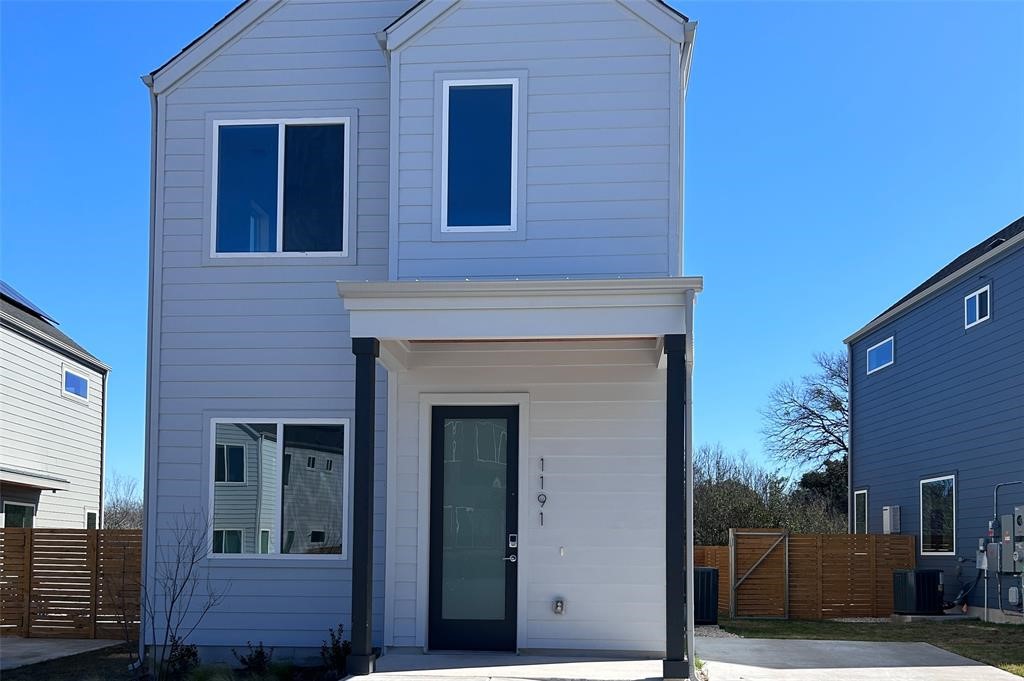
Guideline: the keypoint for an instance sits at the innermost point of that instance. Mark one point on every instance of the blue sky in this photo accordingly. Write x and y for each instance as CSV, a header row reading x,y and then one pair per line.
x,y
837,155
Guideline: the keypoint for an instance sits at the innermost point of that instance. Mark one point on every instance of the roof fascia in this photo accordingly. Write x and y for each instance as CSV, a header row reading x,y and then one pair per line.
x,y
659,17
652,12
207,45
421,16
57,346
997,252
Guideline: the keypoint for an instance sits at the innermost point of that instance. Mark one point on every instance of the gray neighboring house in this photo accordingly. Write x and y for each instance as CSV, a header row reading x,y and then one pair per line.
x,y
52,414
430,255
937,413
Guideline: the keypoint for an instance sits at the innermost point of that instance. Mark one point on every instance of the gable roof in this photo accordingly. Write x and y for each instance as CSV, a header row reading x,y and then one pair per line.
x,y
658,14
18,311
983,251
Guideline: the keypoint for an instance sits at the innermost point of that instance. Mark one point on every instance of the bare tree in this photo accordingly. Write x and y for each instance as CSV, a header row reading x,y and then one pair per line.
x,y
122,503
180,594
807,423
732,491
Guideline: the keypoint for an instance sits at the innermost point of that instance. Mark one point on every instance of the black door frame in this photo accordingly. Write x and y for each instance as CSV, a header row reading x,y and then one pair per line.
x,y
500,635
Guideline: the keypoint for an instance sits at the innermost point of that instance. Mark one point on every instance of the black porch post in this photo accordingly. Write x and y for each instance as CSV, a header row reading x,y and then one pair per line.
x,y
361,661
675,665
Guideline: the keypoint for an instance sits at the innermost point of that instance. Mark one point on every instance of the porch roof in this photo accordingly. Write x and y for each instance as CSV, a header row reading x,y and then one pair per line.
x,y
26,478
520,309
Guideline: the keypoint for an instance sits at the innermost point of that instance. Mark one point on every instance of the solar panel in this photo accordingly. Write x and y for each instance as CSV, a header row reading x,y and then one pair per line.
x,y
8,291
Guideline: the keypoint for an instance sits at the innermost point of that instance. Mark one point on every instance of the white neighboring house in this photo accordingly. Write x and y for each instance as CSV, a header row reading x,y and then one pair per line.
x,y
421,337
52,415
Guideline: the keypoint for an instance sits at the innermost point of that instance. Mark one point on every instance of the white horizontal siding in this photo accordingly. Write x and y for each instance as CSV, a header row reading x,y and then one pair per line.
x,y
597,418
598,139
45,431
265,337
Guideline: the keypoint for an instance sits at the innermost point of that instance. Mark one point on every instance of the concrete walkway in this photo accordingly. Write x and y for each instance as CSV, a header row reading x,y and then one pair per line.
x,y
759,659
469,666
18,652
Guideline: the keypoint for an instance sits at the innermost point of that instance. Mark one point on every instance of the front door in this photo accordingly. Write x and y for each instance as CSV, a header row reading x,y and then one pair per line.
x,y
473,528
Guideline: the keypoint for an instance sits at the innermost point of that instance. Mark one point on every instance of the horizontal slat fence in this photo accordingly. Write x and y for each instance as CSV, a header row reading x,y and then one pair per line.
x,y
58,583
830,575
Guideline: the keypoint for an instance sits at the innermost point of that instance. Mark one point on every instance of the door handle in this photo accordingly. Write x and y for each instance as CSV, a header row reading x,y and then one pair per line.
x,y
511,559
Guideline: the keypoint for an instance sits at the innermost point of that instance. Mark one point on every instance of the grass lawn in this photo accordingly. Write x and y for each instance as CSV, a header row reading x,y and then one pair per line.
x,y
1000,645
97,665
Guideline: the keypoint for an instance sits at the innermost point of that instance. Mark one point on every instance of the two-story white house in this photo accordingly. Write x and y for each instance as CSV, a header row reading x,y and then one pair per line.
x,y
53,396
421,339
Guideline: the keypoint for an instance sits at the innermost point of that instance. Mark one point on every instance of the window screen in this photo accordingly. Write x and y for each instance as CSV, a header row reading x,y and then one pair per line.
x,y
247,189
75,384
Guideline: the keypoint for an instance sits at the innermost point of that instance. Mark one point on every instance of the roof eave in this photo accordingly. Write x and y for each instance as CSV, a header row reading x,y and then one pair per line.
x,y
889,315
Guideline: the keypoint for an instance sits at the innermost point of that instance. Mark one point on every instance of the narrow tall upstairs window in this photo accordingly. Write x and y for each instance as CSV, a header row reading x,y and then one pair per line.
x,y
976,307
860,511
480,139
881,355
281,187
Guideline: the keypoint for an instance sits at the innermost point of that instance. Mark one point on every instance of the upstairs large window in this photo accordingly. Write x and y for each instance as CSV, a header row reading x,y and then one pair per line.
x,y
938,515
480,139
280,187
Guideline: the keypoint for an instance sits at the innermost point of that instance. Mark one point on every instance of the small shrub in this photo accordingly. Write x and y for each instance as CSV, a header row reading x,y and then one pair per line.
x,y
256,661
211,672
182,658
335,654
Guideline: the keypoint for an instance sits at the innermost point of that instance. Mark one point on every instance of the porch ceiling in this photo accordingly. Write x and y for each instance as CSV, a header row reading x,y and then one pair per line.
x,y
520,310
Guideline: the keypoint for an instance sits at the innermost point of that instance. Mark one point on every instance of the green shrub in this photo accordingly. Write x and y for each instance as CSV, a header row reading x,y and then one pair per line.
x,y
257,661
335,654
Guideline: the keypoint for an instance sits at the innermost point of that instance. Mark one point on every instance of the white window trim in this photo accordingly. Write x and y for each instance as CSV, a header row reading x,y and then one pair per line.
x,y
867,514
65,369
987,288
281,123
241,541
867,355
21,503
920,516
259,541
245,464
446,86
345,487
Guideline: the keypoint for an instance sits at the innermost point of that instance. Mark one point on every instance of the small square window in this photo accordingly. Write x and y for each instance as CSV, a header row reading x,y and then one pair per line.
x,y
977,307
881,355
76,385
227,541
329,465
230,464
317,537
310,462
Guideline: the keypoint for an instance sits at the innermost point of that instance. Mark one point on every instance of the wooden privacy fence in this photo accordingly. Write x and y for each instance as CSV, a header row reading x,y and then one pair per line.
x,y
69,583
770,573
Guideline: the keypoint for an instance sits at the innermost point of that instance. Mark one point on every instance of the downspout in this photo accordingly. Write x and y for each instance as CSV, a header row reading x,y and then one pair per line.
x,y
850,520
103,452
691,653
149,527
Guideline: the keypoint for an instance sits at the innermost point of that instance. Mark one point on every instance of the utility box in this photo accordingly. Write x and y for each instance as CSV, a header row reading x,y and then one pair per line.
x,y
1011,543
890,520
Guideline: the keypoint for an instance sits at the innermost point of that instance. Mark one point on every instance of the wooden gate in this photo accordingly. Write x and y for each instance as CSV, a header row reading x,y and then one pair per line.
x,y
69,583
759,573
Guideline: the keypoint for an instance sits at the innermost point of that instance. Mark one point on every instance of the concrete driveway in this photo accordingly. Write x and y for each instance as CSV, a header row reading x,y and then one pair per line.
x,y
759,659
17,652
